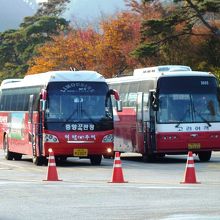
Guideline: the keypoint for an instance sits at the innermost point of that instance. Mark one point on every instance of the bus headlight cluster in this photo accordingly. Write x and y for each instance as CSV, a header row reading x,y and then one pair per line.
x,y
169,137
50,138
108,138
216,136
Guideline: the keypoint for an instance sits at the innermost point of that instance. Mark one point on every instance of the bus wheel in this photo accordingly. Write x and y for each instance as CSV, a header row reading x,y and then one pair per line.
x,y
8,154
38,161
17,156
205,156
61,158
149,158
96,159
160,155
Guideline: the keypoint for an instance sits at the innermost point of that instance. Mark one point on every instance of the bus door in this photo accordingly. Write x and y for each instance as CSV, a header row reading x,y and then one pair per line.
x,y
153,106
31,126
140,130
143,124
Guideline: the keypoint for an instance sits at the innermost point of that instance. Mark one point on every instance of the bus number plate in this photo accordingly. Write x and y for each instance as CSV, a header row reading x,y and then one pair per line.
x,y
80,152
194,146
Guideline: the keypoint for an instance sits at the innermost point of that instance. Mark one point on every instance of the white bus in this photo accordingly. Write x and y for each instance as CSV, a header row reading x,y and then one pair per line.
x,y
68,111
168,110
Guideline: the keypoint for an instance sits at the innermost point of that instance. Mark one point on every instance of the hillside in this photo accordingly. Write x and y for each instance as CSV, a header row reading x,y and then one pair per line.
x,y
12,12
87,9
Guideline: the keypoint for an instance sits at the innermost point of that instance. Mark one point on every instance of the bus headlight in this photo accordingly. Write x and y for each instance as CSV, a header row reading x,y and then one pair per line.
x,y
109,150
50,138
108,138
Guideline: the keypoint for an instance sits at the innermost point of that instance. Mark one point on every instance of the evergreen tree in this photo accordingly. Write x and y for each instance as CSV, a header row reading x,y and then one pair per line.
x,y
52,8
17,47
178,35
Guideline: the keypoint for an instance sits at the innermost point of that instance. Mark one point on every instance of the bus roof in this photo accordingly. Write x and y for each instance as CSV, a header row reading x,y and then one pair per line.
x,y
153,73
53,76
6,81
161,69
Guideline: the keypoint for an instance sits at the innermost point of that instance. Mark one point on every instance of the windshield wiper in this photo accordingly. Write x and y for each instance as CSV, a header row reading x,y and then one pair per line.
x,y
71,115
181,120
205,120
88,116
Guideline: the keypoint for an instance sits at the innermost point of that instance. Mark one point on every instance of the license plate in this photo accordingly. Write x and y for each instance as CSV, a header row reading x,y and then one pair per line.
x,y
194,146
80,152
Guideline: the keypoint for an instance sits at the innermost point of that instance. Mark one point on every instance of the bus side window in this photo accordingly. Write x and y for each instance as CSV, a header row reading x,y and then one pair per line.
x,y
163,111
30,108
25,103
132,97
2,102
146,107
124,93
8,103
132,94
20,100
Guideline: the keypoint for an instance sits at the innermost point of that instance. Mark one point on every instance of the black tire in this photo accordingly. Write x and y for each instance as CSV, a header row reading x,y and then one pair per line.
x,y
205,156
38,161
96,159
108,157
17,156
149,158
161,155
7,153
61,158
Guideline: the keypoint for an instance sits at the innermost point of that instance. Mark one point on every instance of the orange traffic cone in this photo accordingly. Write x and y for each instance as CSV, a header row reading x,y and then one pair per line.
x,y
190,174
117,175
52,170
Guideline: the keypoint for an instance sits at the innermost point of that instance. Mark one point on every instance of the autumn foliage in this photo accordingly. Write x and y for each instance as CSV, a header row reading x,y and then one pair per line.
x,y
107,51
74,50
148,34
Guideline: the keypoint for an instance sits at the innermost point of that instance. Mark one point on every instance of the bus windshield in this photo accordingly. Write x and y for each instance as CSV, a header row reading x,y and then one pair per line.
x,y
184,102
78,102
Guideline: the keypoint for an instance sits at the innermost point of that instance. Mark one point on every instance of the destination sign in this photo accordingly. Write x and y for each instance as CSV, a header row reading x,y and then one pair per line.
x,y
79,127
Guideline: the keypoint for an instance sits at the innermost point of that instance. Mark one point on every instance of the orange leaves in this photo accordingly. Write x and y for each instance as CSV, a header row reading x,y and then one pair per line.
x,y
122,29
73,50
147,9
120,36
107,52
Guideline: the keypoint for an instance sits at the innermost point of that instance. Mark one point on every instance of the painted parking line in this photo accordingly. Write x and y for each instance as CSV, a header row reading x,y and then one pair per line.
x,y
191,217
90,184
214,166
10,166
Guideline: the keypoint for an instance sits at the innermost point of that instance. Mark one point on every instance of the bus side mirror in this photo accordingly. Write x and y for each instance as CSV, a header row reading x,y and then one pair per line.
x,y
117,98
119,106
43,100
42,105
153,100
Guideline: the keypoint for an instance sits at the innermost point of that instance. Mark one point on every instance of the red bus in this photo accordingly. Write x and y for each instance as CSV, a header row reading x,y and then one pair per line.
x,y
68,111
168,110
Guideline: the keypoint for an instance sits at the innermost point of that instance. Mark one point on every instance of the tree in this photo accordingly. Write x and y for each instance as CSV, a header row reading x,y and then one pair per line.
x,y
183,28
106,51
19,46
147,10
199,11
10,60
75,50
52,8
120,37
